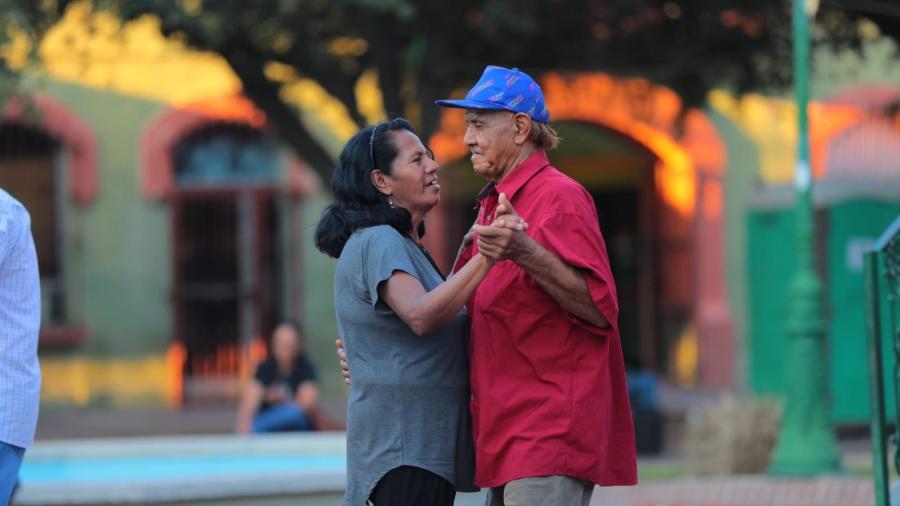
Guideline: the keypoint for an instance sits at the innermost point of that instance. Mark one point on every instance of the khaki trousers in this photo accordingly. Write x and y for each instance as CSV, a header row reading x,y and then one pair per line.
x,y
542,491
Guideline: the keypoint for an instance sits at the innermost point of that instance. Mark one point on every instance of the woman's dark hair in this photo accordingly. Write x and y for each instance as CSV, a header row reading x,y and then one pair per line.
x,y
357,203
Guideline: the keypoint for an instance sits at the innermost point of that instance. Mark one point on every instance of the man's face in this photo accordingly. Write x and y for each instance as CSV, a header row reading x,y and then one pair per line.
x,y
490,137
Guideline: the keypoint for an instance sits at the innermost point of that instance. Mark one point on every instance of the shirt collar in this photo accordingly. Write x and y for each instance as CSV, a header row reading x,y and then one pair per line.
x,y
485,192
520,174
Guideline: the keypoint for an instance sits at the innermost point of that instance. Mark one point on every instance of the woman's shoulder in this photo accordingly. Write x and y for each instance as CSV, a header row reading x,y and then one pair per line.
x,y
375,240
377,230
376,233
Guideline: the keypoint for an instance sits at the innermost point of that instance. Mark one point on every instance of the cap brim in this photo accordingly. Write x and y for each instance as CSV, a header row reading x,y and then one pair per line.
x,y
467,103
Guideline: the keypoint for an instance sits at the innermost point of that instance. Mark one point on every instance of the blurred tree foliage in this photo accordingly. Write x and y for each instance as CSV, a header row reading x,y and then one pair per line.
x,y
428,49
30,19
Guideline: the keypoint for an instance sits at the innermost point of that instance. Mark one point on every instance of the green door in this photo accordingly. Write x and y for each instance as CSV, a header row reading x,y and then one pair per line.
x,y
770,263
853,227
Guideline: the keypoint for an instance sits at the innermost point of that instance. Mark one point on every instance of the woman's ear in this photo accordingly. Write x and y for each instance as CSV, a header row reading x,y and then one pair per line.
x,y
381,182
523,127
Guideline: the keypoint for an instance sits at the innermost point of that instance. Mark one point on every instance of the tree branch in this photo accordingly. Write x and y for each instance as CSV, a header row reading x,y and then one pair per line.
x,y
325,70
265,94
385,53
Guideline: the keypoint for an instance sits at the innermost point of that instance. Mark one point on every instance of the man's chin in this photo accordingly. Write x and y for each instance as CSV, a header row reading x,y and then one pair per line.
x,y
483,170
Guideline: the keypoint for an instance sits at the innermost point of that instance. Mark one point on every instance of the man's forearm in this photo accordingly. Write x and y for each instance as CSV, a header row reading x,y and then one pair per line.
x,y
563,282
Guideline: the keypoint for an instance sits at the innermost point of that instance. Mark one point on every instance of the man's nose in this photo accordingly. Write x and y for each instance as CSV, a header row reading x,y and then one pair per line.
x,y
469,138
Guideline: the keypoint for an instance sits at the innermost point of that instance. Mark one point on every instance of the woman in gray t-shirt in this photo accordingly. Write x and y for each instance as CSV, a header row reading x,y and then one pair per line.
x,y
404,326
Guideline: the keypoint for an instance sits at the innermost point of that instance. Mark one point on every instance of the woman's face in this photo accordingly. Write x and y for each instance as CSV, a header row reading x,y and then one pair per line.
x,y
413,180
285,344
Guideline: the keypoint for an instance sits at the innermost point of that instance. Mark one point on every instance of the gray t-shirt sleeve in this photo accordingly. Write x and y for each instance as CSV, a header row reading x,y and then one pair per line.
x,y
386,252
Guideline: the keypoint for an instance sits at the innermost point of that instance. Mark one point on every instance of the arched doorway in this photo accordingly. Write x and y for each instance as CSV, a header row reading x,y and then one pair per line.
x,y
47,160
226,253
675,201
232,193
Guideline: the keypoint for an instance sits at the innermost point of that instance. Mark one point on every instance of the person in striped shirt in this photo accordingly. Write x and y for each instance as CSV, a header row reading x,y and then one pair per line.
x,y
20,320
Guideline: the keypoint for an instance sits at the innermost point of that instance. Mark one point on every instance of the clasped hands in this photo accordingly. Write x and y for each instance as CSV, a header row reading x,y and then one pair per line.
x,y
504,238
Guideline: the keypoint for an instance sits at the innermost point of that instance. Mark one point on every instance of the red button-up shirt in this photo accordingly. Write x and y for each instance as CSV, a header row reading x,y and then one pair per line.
x,y
549,395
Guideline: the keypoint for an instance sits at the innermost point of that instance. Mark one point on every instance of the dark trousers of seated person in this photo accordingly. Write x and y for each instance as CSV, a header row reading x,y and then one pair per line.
x,y
412,486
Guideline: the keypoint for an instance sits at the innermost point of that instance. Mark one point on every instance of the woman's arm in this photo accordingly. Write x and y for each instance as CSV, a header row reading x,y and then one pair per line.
x,y
250,401
424,311
466,242
307,396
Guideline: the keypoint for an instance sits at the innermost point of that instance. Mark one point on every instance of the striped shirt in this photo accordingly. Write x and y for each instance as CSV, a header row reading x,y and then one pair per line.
x,y
20,320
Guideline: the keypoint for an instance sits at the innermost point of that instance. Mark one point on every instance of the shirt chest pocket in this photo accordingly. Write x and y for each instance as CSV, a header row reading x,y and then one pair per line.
x,y
498,294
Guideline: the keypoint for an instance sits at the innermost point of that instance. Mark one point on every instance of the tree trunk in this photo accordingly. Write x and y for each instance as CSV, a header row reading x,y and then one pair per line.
x,y
387,55
265,94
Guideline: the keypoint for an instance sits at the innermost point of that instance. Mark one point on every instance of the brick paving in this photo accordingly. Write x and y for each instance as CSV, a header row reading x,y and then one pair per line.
x,y
742,491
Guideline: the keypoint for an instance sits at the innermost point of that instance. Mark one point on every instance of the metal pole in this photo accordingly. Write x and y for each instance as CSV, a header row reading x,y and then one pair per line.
x,y
806,443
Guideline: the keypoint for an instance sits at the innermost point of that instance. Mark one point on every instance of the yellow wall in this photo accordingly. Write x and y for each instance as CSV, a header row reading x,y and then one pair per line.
x,y
771,124
81,381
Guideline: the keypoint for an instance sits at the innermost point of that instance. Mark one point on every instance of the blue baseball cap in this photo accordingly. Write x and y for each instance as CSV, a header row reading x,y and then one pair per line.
x,y
504,89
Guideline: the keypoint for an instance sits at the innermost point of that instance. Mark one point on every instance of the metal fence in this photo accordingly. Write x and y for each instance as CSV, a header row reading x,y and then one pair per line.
x,y
882,300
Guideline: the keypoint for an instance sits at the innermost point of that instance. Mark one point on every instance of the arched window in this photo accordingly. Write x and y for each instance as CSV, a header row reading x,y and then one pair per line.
x,y
226,153
229,253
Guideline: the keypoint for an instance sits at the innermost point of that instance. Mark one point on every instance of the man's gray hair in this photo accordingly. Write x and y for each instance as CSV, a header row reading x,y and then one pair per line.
x,y
544,136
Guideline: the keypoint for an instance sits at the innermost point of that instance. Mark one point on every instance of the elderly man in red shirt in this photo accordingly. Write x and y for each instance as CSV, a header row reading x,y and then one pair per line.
x,y
550,407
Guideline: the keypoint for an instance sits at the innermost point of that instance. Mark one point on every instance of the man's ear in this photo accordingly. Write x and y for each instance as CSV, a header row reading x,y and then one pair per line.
x,y
523,126
381,182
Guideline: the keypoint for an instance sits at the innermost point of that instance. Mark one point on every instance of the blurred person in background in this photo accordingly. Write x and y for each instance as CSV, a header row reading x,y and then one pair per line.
x,y
409,439
283,394
20,321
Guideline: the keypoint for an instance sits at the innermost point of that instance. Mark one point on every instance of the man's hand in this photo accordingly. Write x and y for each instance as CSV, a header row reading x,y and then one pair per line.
x,y
509,220
505,238
506,216
342,360
565,283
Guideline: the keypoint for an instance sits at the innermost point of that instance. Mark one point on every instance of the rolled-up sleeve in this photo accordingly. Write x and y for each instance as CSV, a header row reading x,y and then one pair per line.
x,y
577,241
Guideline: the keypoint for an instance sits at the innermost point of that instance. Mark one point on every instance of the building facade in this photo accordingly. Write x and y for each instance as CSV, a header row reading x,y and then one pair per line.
x,y
174,231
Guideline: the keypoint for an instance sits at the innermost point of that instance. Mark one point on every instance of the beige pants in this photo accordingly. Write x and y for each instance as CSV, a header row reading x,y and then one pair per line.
x,y
542,491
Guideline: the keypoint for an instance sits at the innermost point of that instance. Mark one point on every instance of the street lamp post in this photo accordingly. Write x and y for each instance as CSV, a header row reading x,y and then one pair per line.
x,y
806,443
